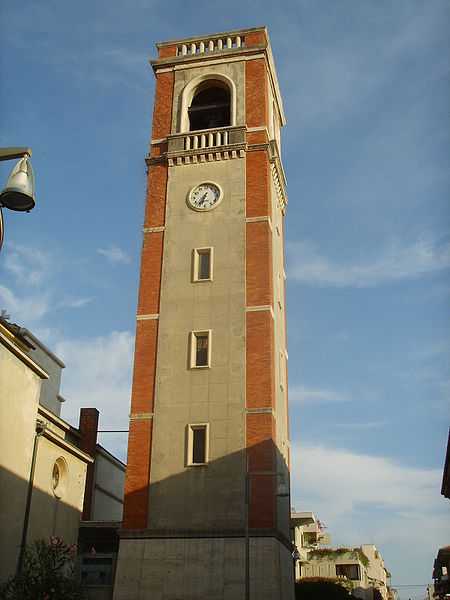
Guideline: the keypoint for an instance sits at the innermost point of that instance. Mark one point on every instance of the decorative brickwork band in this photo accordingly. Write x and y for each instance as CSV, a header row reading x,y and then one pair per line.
x,y
261,451
258,176
135,510
156,196
162,112
256,93
260,360
151,264
139,441
259,264
260,377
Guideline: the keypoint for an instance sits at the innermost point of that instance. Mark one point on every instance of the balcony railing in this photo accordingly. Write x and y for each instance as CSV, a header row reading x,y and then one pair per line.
x,y
208,144
206,140
212,45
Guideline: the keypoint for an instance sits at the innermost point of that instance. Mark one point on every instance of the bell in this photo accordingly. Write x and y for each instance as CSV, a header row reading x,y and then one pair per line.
x,y
19,191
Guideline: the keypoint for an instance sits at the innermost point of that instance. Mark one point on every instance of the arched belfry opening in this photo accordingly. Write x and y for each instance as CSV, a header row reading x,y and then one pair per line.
x,y
210,106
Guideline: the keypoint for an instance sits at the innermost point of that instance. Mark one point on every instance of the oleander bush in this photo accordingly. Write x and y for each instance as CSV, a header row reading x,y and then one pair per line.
x,y
47,573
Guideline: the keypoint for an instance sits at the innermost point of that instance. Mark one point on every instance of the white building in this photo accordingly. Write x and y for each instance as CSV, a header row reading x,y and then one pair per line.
x,y
361,569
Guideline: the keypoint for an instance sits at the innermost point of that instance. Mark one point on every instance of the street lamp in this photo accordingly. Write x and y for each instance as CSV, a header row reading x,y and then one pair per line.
x,y
282,492
18,194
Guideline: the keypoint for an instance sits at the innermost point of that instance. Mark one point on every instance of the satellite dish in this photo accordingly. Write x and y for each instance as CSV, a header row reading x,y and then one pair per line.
x,y
19,191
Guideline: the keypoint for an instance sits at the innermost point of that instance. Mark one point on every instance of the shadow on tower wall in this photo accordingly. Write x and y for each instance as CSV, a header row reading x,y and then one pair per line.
x,y
193,545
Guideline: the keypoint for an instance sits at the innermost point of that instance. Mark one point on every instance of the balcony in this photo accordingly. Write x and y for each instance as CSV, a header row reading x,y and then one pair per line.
x,y
220,143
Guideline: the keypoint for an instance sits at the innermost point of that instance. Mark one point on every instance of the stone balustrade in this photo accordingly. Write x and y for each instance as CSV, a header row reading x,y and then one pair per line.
x,y
206,140
212,45
206,145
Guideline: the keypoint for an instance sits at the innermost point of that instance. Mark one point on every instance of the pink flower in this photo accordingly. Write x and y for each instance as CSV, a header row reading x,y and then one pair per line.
x,y
54,540
92,551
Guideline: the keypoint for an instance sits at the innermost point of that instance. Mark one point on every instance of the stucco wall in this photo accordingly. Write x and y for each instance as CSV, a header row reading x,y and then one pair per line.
x,y
19,397
216,395
109,488
20,386
50,515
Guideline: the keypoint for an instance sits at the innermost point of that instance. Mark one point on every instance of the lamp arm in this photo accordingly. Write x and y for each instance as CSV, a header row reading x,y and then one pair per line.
x,y
17,152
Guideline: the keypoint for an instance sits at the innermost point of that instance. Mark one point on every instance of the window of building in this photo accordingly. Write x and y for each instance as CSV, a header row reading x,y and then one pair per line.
x,y
200,349
349,571
197,444
96,571
210,106
203,264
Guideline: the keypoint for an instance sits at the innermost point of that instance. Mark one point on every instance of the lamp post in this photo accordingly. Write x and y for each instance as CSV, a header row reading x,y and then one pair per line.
x,y
282,492
18,194
295,559
40,428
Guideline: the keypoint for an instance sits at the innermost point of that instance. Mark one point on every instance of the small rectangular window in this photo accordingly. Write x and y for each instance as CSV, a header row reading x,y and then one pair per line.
x,y
197,444
202,264
350,571
96,571
200,349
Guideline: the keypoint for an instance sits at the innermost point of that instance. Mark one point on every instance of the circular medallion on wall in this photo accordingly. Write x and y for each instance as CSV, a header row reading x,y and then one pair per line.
x,y
205,196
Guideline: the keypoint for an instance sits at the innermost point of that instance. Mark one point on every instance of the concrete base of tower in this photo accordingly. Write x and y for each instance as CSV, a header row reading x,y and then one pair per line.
x,y
194,568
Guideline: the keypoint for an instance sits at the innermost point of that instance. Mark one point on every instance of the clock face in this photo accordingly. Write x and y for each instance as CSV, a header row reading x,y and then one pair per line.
x,y
205,196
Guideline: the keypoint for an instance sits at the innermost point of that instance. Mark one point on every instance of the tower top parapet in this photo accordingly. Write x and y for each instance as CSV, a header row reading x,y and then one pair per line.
x,y
215,42
219,46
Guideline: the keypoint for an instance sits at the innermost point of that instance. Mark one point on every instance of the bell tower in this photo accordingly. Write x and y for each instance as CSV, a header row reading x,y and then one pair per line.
x,y
209,441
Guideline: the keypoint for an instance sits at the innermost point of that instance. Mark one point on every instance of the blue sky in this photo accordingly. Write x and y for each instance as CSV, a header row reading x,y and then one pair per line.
x,y
366,152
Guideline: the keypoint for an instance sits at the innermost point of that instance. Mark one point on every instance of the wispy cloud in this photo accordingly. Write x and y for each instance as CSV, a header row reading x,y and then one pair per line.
x,y
29,266
344,74
32,287
380,480
361,425
299,394
395,262
98,369
74,302
98,374
114,254
27,308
